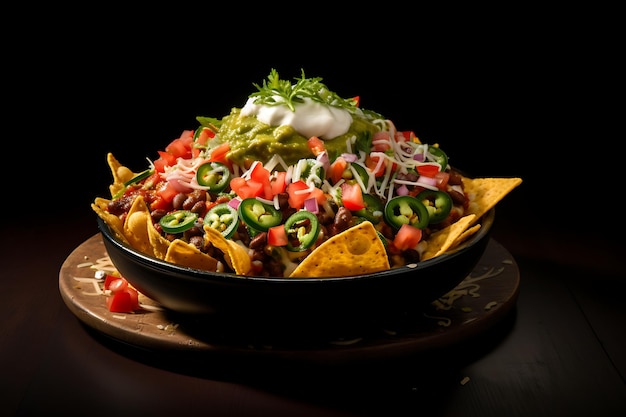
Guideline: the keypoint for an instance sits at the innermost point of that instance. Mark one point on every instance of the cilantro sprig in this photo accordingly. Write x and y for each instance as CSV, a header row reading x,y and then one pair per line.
x,y
277,92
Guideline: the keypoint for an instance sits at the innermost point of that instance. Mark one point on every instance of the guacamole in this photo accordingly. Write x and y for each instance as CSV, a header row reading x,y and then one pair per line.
x,y
251,139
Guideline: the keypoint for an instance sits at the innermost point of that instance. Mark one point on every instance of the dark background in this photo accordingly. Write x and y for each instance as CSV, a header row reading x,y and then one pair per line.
x,y
505,96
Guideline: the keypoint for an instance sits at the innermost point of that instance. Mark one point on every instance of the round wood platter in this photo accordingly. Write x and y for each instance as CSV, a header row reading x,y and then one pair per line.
x,y
481,300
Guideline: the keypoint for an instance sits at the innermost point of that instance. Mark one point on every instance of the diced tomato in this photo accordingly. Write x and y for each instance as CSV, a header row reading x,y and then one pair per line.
x,y
108,280
278,182
118,285
167,191
407,237
246,189
262,175
372,163
218,154
337,168
357,99
181,147
123,298
277,236
296,198
316,145
159,203
352,197
166,159
125,301
201,140
428,170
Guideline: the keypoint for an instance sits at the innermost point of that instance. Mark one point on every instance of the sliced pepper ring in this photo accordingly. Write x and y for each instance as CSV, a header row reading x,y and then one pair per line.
x,y
224,218
439,156
438,203
214,175
302,230
178,221
406,209
258,215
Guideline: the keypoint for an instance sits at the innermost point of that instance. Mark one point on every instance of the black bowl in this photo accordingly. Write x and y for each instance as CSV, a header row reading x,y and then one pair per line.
x,y
297,300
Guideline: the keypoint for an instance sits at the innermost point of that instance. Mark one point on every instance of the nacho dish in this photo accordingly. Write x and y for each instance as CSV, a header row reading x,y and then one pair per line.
x,y
298,182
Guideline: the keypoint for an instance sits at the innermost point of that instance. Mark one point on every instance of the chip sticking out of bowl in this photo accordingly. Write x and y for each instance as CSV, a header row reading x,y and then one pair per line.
x,y
485,193
442,240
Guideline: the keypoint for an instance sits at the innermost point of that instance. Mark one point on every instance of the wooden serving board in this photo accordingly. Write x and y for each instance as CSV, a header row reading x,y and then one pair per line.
x,y
481,300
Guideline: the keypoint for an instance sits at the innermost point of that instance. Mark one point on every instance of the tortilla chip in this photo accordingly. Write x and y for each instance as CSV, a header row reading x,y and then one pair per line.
x,y
115,223
444,239
235,255
355,251
185,254
160,245
466,235
120,173
485,193
136,226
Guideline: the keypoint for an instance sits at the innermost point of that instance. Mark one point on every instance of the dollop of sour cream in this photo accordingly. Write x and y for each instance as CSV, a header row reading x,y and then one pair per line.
x,y
310,118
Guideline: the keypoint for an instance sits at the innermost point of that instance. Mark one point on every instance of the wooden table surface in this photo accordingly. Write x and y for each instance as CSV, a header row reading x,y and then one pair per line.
x,y
560,351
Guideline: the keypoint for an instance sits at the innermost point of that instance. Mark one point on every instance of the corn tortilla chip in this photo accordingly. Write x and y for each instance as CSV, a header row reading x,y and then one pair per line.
x,y
236,256
485,193
185,254
160,245
115,223
120,173
355,251
136,226
444,239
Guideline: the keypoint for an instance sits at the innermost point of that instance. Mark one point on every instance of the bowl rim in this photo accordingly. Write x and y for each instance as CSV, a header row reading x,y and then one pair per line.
x,y
192,273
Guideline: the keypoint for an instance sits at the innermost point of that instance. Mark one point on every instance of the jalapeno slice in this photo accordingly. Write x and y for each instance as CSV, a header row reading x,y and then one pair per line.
x,y
302,230
373,210
224,218
141,176
214,175
438,203
258,215
439,156
362,173
406,210
178,221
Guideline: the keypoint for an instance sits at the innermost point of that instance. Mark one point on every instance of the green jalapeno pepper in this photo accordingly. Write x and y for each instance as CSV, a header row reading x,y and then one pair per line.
x,y
258,215
406,210
224,218
302,230
214,175
438,203
440,156
178,221
141,176
373,210
362,173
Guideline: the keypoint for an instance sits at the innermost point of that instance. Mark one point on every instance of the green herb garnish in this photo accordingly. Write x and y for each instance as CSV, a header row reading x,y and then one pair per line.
x,y
277,92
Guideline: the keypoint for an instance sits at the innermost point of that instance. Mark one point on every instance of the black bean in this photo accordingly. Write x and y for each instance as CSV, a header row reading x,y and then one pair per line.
x,y
342,219
259,241
178,200
457,197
